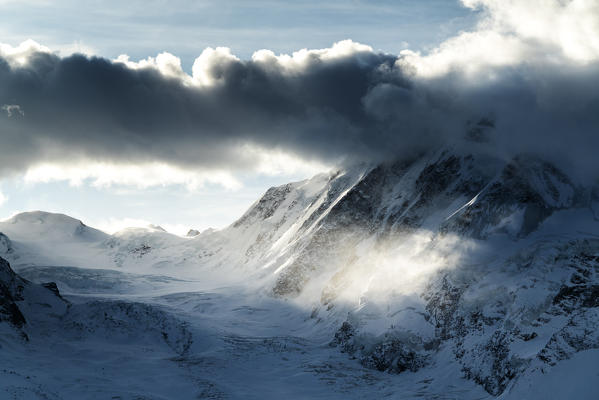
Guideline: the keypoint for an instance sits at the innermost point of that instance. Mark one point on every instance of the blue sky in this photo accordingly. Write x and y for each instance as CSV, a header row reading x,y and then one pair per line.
x,y
141,29
184,28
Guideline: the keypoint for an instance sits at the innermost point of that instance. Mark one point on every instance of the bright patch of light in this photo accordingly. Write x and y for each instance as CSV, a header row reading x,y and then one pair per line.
x,y
76,47
207,68
279,163
168,65
300,60
113,225
398,267
104,175
515,32
20,54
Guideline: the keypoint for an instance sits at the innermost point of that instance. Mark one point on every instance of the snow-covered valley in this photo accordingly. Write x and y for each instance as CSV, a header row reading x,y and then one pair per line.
x,y
450,276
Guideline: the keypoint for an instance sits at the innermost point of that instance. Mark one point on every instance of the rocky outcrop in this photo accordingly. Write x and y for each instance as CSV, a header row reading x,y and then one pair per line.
x,y
517,201
6,246
192,233
37,311
11,291
24,305
393,352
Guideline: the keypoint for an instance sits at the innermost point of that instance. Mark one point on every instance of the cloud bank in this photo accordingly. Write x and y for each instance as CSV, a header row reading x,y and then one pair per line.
x,y
530,70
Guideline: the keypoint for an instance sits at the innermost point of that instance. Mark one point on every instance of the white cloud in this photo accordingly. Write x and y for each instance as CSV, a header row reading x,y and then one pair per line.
x,y
168,64
569,25
3,198
279,163
112,225
143,176
207,68
20,54
516,32
300,60
76,47
177,229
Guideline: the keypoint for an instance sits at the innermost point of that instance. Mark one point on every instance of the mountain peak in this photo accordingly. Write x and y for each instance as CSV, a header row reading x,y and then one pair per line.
x,y
50,225
41,217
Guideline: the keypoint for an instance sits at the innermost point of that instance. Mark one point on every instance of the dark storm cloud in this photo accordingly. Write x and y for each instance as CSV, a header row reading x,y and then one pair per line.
x,y
361,105
104,110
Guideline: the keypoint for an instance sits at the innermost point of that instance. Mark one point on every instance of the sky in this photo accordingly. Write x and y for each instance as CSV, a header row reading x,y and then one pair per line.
x,y
182,113
186,27
142,29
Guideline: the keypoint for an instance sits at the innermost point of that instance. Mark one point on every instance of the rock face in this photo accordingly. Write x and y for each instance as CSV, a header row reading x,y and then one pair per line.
x,y
5,244
192,233
306,228
11,290
39,312
24,306
542,310
449,256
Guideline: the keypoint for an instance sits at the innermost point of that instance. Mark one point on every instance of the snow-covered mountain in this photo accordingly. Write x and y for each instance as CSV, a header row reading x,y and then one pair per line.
x,y
506,253
455,269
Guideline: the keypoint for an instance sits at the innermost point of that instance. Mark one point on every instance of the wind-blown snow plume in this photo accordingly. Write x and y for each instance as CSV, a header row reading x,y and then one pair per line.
x,y
525,80
395,268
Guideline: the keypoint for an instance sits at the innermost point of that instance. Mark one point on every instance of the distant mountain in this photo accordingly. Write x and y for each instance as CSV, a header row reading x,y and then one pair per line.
x,y
42,238
49,226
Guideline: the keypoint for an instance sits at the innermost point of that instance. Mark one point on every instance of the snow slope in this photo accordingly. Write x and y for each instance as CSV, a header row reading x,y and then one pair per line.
x,y
451,275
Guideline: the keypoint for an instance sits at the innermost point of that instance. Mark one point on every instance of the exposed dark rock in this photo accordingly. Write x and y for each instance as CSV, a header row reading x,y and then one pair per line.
x,y
266,206
391,353
498,366
51,286
11,288
192,233
5,244
141,250
344,338
525,185
395,356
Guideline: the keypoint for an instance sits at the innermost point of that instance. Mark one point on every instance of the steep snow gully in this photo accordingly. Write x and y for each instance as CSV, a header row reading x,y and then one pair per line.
x,y
450,276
